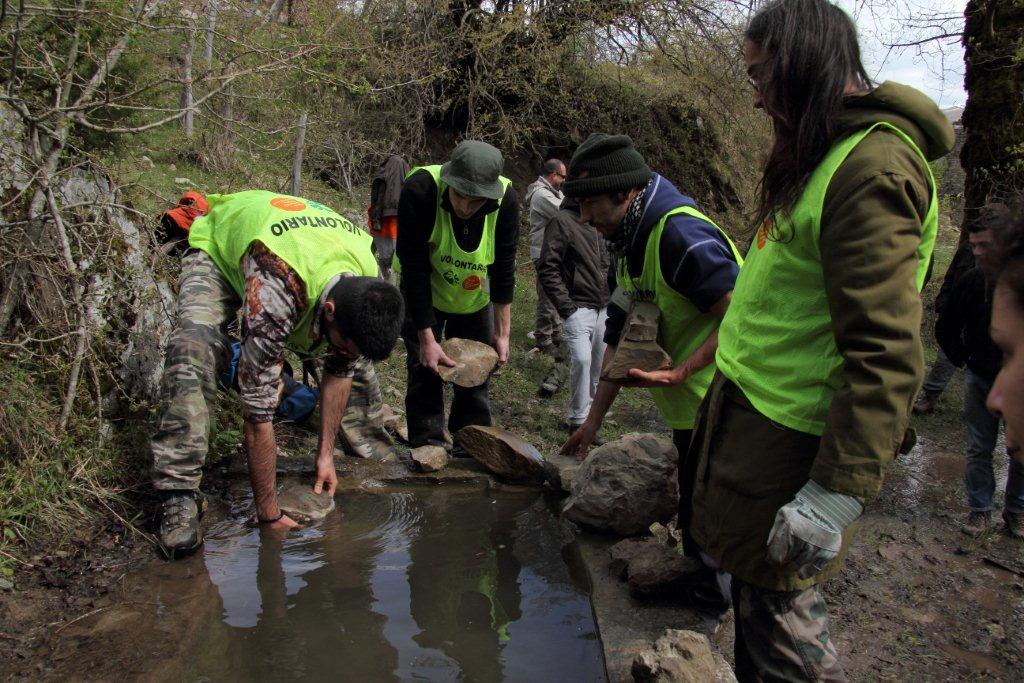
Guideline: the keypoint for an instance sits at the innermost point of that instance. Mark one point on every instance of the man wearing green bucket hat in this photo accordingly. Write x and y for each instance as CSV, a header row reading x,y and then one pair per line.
x,y
458,225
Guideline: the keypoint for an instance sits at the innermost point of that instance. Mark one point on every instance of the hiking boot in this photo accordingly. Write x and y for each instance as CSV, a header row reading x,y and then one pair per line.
x,y
179,522
977,524
554,379
1014,524
548,387
926,403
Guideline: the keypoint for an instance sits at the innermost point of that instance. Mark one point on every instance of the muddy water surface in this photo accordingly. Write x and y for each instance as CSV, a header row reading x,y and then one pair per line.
x,y
408,584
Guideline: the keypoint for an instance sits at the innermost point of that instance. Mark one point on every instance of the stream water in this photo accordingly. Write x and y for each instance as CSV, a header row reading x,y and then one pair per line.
x,y
407,584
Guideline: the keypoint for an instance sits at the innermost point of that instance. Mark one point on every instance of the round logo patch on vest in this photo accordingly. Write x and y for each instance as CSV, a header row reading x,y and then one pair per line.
x,y
287,204
472,282
762,234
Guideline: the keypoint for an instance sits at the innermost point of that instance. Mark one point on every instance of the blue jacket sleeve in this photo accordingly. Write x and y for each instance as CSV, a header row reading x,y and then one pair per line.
x,y
696,261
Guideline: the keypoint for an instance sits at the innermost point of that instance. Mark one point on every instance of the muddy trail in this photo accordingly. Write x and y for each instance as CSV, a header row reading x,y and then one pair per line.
x,y
458,576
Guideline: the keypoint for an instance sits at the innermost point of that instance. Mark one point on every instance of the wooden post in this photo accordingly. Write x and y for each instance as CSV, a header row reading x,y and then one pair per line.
x,y
300,140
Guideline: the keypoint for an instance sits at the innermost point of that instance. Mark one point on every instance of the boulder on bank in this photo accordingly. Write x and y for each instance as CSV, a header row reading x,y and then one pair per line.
x,y
678,656
625,486
298,501
503,453
650,567
474,362
430,458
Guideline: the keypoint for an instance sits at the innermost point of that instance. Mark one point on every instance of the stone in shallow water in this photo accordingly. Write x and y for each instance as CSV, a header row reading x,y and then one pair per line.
x,y
430,458
504,453
638,347
298,501
474,362
625,486
683,656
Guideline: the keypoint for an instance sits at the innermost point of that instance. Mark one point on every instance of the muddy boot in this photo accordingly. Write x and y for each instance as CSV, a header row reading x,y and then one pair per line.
x,y
1014,524
977,524
179,522
926,402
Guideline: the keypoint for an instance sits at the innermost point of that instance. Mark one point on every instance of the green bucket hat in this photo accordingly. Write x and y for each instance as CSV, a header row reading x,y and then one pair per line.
x,y
473,170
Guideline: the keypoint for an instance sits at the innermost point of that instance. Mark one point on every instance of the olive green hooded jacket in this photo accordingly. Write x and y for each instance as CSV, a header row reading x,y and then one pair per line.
x,y
870,231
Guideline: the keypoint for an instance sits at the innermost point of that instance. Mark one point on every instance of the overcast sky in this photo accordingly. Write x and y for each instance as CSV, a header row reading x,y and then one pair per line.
x,y
935,68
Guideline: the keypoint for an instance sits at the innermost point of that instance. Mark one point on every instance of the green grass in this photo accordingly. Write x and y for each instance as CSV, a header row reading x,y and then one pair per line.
x,y
50,480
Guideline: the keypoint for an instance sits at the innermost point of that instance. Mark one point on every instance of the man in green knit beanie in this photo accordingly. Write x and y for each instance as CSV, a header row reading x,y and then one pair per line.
x,y
670,254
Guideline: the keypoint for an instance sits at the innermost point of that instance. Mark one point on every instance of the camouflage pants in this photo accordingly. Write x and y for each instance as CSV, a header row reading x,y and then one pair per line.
x,y
362,426
783,636
197,351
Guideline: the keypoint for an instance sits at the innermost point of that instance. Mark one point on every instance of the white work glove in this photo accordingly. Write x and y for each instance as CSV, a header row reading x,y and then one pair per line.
x,y
808,531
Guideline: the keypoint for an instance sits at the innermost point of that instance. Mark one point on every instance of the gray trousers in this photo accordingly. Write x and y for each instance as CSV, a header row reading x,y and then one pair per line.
x,y
548,326
584,335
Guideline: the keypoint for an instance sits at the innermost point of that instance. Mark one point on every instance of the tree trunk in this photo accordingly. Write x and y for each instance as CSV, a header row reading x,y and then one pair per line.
x,y
187,99
229,110
300,140
993,151
211,27
275,11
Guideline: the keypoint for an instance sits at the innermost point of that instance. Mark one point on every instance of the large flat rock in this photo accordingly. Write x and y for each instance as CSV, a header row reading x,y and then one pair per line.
x,y
504,453
474,362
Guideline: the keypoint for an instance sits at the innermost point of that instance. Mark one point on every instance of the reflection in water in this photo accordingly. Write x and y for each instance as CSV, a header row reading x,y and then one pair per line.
x,y
433,584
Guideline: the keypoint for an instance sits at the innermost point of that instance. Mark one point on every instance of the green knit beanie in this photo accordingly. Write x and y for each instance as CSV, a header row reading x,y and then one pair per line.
x,y
605,164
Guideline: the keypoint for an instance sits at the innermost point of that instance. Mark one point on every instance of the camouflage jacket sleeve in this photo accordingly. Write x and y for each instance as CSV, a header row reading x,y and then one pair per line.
x,y
274,302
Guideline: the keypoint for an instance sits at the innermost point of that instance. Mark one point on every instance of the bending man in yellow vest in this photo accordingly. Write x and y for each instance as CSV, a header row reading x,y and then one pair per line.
x,y
458,225
669,253
305,279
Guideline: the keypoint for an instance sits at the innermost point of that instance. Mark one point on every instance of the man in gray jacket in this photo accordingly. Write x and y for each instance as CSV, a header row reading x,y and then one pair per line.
x,y
543,197
573,270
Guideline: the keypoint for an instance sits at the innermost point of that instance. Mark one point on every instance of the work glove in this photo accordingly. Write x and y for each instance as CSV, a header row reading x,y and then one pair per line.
x,y
808,531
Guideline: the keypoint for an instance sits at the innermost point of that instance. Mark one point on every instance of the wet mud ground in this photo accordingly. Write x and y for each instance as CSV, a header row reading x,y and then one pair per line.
x,y
917,599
